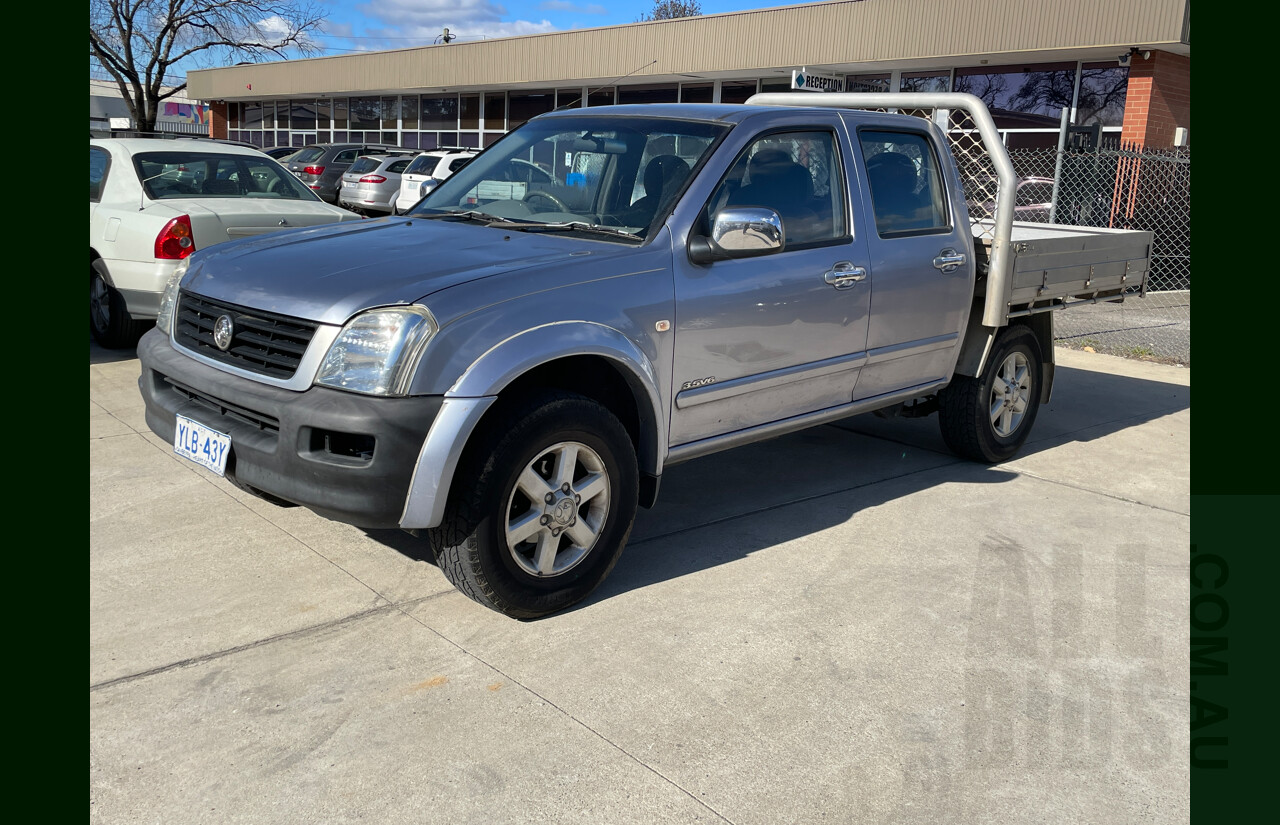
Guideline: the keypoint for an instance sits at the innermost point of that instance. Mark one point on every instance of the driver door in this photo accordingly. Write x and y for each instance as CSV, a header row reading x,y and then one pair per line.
x,y
765,338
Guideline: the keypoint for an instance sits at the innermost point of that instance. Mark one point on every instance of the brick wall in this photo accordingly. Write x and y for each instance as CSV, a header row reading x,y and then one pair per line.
x,y
218,119
1158,100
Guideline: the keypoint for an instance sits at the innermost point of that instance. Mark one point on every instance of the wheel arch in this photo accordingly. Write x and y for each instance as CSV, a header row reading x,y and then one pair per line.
x,y
589,359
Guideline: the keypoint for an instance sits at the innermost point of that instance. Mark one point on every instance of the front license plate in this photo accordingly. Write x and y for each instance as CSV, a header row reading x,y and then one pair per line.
x,y
206,447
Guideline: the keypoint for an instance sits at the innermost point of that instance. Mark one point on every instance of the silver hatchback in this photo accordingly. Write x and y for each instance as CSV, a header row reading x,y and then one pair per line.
x,y
371,184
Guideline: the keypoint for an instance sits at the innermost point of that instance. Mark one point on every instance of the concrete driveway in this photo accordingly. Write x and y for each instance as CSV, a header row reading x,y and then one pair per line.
x,y
843,625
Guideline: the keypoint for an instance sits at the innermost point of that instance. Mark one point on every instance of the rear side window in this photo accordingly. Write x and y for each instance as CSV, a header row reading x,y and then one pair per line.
x,y
363,165
398,166
907,194
346,157
99,163
458,163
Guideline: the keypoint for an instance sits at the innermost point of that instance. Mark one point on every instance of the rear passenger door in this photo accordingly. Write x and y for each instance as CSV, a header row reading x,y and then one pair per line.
x,y
781,334
921,270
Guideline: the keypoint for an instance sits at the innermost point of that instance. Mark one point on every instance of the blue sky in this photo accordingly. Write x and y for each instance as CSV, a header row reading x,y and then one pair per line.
x,y
359,25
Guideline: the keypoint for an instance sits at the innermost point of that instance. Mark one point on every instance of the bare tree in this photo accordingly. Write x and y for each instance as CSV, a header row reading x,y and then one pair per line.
x,y
144,44
671,9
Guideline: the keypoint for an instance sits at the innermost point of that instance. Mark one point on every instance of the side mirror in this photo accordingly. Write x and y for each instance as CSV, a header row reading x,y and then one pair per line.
x,y
738,232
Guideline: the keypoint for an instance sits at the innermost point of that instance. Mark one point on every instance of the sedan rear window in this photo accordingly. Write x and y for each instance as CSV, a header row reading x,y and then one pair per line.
x,y
166,175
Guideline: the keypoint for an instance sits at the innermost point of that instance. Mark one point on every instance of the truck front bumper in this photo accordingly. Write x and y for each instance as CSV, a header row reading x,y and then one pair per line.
x,y
348,457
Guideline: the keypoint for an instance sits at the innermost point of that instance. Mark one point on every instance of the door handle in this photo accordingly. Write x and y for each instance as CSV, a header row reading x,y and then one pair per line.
x,y
948,259
844,274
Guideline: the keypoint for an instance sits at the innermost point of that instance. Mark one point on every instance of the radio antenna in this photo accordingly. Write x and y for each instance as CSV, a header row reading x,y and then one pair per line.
x,y
590,92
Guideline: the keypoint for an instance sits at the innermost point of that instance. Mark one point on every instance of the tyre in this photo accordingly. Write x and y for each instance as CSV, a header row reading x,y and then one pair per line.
x,y
988,418
109,320
541,506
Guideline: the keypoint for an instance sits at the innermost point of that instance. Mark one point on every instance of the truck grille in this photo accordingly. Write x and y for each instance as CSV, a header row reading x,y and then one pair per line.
x,y
262,342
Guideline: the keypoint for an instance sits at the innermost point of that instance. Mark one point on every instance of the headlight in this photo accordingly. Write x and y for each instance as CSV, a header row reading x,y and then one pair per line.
x,y
169,298
378,351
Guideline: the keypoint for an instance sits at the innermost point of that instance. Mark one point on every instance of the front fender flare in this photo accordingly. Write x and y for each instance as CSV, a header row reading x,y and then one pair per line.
x,y
480,384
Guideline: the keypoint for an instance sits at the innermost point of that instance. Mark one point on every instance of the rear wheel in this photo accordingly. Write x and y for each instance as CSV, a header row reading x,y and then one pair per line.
x,y
109,320
987,418
539,512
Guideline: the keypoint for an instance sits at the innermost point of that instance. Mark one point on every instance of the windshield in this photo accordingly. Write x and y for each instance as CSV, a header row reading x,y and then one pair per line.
x,y
620,173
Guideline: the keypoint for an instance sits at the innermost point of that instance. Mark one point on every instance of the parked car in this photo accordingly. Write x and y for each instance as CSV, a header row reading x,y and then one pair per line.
x,y
371,184
154,202
281,152
1032,203
321,165
426,171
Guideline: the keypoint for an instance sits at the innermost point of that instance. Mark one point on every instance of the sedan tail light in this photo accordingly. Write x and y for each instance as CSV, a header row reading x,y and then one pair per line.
x,y
313,170
373,179
175,241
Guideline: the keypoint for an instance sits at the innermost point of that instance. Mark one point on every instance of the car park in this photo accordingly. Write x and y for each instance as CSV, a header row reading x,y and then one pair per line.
x,y
372,183
426,171
321,165
154,202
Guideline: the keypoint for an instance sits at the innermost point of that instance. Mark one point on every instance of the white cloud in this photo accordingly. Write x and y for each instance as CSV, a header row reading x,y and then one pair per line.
x,y
468,19
564,5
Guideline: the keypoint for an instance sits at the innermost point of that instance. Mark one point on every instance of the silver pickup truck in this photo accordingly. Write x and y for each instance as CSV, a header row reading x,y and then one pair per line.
x,y
603,293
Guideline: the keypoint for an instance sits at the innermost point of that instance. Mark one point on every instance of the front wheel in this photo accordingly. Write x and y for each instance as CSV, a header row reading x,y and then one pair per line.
x,y
987,418
541,508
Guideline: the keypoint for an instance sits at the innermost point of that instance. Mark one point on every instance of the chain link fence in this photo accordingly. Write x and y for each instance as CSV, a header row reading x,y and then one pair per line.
x,y
1126,189
1103,186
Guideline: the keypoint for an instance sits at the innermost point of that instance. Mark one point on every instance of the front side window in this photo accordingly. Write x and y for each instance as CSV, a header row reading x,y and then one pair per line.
x,y
796,174
907,192
581,174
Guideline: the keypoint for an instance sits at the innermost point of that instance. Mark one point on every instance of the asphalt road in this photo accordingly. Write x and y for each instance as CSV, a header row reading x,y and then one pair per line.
x,y
847,624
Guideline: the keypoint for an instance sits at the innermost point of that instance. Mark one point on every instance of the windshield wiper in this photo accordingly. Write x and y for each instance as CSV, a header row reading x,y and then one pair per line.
x,y
471,215
573,226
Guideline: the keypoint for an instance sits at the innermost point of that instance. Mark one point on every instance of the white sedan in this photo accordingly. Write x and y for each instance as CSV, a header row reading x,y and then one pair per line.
x,y
152,202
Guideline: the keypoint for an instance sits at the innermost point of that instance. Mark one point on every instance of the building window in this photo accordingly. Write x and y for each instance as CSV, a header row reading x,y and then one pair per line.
x,y
925,82
389,112
469,112
601,97
1021,97
282,114
252,115
568,98
657,93
324,114
365,113
439,112
1103,88
697,92
867,83
495,111
408,112
737,91
522,107
773,84
340,109
302,115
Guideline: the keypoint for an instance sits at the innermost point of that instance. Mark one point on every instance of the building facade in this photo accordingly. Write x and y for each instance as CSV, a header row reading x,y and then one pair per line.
x,y
1121,70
